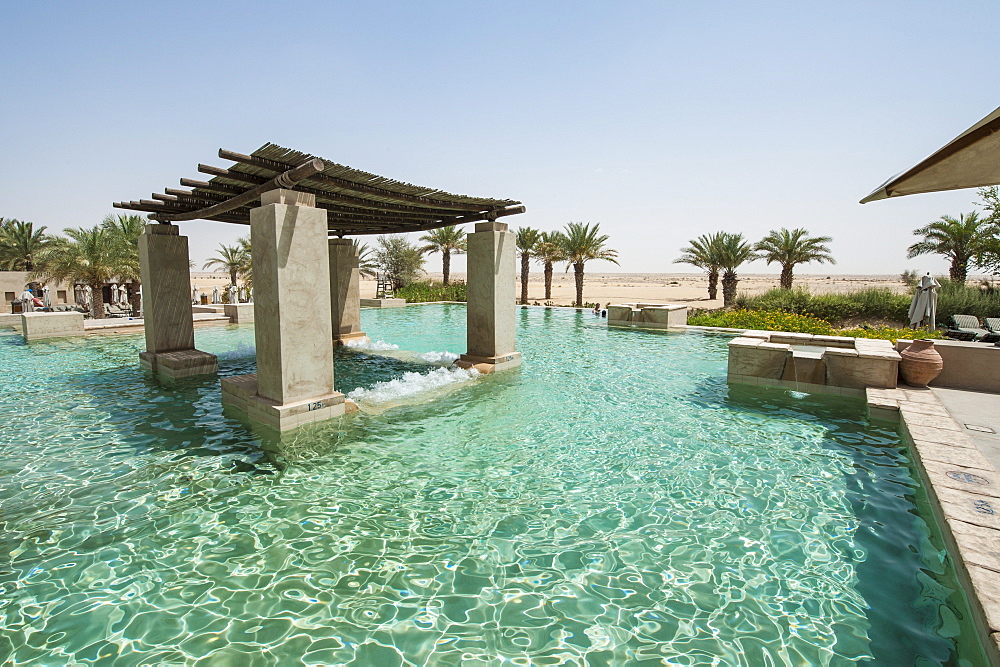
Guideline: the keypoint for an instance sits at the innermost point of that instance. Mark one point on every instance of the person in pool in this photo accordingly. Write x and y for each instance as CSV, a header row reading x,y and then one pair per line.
x,y
597,308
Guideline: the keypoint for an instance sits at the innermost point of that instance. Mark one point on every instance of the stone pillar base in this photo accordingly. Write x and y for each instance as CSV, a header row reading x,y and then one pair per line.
x,y
341,339
486,365
239,313
383,303
240,392
180,363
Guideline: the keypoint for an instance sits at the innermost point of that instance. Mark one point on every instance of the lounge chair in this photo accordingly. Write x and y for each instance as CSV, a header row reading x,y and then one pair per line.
x,y
966,327
993,325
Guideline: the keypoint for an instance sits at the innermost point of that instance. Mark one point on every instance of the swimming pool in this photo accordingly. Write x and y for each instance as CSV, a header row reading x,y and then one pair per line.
x,y
611,502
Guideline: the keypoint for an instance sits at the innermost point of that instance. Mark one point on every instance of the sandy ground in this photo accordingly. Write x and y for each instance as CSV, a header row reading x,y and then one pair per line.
x,y
688,288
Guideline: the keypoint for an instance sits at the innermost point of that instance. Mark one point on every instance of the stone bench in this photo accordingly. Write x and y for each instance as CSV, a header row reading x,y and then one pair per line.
x,y
647,315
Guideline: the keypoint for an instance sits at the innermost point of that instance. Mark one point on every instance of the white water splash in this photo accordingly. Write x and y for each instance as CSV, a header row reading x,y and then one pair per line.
x,y
438,357
411,384
367,344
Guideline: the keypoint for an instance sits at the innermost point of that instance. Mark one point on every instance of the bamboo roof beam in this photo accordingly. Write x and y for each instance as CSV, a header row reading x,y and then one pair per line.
x,y
334,197
286,179
271,165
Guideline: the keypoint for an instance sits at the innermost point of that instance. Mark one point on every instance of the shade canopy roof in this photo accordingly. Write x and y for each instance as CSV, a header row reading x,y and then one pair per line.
x,y
971,160
355,201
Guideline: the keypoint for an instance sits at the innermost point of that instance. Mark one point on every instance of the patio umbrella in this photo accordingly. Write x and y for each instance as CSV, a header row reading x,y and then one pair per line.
x,y
970,160
924,304
123,295
46,299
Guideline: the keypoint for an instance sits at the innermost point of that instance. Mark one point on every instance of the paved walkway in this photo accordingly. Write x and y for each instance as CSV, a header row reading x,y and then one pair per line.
x,y
979,416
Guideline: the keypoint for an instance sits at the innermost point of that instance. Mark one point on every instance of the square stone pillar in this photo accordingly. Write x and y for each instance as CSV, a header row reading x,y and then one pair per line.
x,y
491,304
167,316
293,332
345,291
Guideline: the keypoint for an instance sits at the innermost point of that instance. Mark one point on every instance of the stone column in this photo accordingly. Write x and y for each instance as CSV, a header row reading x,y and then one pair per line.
x,y
167,316
345,293
491,300
293,331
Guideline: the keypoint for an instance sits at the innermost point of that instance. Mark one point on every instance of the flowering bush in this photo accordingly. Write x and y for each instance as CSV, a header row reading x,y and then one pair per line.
x,y
767,320
779,320
888,333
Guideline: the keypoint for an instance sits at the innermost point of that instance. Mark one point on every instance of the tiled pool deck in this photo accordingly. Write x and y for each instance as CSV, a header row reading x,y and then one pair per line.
x,y
958,466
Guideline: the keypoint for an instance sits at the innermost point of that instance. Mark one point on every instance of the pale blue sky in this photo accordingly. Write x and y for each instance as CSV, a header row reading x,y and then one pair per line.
x,y
660,120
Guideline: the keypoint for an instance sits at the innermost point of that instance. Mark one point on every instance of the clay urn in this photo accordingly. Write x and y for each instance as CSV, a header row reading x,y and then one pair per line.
x,y
920,363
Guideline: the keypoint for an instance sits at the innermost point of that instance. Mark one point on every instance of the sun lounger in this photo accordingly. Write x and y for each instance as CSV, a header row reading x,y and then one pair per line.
x,y
967,327
993,326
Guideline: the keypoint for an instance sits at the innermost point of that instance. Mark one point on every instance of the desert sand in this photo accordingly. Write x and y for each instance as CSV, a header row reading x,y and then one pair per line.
x,y
687,288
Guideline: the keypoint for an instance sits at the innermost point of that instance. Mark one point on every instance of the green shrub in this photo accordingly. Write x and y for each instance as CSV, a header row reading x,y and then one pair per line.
x,y
871,303
767,320
778,320
957,299
888,333
421,292
877,304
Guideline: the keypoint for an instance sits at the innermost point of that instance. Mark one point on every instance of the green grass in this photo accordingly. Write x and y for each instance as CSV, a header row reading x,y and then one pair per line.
x,y
424,291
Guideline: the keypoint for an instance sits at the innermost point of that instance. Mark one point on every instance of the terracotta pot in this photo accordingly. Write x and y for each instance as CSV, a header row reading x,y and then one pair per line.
x,y
921,363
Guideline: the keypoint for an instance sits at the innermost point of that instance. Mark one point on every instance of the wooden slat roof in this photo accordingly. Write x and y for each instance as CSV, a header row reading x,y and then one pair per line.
x,y
356,201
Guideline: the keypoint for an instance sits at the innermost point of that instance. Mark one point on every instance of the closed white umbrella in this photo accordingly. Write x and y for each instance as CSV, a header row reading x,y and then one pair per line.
x,y
46,299
924,304
215,295
194,294
123,295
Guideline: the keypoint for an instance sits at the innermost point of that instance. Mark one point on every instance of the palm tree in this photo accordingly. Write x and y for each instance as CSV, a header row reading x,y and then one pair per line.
x,y
21,244
548,251
733,250
961,241
123,233
526,240
231,258
366,260
703,253
88,256
445,240
789,248
581,244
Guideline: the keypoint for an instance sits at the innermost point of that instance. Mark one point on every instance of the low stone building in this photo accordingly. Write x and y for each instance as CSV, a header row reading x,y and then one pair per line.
x,y
12,284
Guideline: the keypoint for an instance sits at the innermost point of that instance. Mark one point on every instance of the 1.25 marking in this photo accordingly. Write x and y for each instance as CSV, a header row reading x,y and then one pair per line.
x,y
316,405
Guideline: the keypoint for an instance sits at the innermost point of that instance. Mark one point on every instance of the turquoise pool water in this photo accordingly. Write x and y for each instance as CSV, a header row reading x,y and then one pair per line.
x,y
611,502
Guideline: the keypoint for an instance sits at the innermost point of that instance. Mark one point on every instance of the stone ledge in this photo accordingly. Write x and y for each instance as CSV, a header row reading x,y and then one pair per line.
x,y
487,365
51,325
965,491
383,303
343,338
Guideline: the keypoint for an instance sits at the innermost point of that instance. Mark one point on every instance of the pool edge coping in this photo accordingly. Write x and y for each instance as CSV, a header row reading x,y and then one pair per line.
x,y
939,436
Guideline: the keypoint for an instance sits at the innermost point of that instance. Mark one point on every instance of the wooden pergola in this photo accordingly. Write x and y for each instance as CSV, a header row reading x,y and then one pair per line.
x,y
356,202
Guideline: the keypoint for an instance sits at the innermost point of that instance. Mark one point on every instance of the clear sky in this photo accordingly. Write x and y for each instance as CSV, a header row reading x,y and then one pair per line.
x,y
659,120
